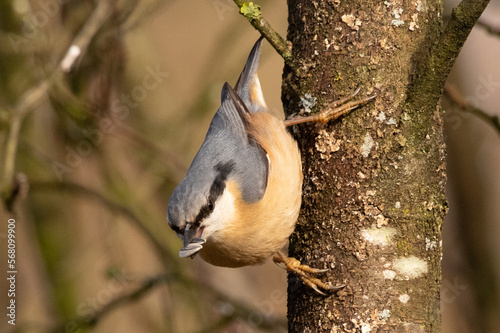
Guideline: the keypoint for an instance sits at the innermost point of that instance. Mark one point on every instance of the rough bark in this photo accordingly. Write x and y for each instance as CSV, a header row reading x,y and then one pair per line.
x,y
373,201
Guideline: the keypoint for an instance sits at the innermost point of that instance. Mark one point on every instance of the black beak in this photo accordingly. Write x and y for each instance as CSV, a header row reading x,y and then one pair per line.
x,y
193,241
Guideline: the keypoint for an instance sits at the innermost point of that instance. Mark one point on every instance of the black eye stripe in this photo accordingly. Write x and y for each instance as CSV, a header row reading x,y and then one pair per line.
x,y
176,229
218,186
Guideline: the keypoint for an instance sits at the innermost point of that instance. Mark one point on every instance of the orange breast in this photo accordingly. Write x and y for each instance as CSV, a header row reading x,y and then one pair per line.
x,y
261,229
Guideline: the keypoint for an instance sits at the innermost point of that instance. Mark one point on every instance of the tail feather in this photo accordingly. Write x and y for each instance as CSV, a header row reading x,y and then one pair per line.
x,y
248,84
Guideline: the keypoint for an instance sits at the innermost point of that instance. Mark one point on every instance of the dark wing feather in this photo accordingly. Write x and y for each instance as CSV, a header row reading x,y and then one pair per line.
x,y
248,85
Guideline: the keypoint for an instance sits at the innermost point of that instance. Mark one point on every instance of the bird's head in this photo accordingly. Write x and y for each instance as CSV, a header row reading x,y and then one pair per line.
x,y
201,205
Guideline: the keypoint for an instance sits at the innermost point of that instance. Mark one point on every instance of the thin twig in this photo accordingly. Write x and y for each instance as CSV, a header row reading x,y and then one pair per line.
x,y
30,99
252,13
176,170
127,298
332,111
240,309
176,166
82,40
490,29
219,325
74,188
10,155
458,98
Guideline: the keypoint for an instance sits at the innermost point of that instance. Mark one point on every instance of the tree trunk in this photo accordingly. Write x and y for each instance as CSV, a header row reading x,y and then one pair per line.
x,y
373,202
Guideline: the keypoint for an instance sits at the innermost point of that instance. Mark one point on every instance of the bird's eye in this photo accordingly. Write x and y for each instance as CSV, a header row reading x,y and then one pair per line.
x,y
177,229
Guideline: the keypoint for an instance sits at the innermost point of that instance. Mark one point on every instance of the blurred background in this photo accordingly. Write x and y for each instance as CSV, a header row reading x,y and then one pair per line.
x,y
102,146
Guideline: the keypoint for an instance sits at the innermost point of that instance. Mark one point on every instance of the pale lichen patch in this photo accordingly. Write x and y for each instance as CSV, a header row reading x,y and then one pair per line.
x,y
391,121
397,22
404,298
421,6
366,328
367,145
389,274
381,116
307,102
410,267
379,236
327,43
430,244
384,314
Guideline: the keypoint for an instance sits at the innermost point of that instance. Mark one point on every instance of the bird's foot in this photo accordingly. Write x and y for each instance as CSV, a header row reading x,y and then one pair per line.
x,y
332,111
303,272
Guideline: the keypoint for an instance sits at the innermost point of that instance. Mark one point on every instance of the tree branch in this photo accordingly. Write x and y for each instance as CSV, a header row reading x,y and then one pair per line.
x,y
30,99
178,169
490,29
74,188
91,321
253,14
429,86
458,99
82,40
240,309
10,157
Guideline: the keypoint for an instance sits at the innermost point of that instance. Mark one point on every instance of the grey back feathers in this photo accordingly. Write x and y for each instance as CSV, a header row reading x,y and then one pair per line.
x,y
228,152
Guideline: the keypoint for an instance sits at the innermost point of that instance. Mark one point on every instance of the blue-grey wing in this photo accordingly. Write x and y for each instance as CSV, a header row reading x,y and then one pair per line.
x,y
227,141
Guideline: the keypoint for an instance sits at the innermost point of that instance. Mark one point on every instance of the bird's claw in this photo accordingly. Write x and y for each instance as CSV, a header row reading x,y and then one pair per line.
x,y
314,283
303,271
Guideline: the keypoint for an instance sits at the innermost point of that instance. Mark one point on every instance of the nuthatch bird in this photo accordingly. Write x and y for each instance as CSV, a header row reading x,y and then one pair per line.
x,y
241,197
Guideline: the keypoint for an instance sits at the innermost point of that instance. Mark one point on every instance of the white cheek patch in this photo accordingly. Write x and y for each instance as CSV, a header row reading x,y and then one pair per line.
x,y
223,213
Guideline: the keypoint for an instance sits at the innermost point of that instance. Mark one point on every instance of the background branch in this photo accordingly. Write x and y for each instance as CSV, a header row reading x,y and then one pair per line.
x,y
77,189
29,100
458,99
490,29
83,322
240,310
